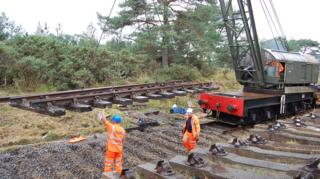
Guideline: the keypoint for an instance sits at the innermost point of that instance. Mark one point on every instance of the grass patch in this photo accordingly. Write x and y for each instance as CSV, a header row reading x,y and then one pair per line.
x,y
181,101
291,142
23,142
16,124
51,136
126,120
10,149
226,79
20,127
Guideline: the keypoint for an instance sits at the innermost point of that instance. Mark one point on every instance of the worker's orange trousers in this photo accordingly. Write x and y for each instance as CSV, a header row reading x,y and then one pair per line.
x,y
113,159
189,142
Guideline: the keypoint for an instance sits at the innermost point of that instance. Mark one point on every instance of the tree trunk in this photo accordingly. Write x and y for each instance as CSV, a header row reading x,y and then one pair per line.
x,y
5,79
165,54
165,38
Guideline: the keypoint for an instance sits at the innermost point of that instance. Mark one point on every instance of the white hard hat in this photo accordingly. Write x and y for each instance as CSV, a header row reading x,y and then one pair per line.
x,y
189,111
174,106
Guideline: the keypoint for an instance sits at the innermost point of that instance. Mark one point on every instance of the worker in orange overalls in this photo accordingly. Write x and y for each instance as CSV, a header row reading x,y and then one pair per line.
x,y
114,146
191,130
278,67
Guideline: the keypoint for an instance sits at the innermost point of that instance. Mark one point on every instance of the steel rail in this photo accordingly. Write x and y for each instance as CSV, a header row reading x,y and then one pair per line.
x,y
4,99
84,91
156,89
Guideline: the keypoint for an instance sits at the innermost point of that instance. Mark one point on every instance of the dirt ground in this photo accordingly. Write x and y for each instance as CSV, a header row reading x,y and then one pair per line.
x,y
85,159
36,146
21,127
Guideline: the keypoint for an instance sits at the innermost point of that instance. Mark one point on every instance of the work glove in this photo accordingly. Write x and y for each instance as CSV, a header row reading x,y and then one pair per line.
x,y
99,116
102,115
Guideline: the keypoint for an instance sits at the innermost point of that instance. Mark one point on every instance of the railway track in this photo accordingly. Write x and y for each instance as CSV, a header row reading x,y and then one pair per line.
x,y
291,152
288,153
284,155
83,100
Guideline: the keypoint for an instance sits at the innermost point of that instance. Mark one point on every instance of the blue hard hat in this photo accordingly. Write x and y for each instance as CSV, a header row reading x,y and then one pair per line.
x,y
116,118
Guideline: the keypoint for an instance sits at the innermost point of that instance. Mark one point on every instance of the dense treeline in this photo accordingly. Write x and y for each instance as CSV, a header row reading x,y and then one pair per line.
x,y
189,37
64,62
170,39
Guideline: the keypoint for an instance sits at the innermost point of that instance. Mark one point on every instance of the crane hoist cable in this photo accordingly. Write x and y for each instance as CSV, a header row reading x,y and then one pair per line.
x,y
279,25
280,35
277,18
119,37
110,12
276,28
271,19
269,24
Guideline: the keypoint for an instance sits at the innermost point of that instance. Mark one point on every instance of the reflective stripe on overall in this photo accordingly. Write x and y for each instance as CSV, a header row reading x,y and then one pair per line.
x,y
115,139
113,156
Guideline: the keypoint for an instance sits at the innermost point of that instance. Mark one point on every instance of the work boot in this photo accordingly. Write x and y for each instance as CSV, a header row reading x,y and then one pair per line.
x,y
191,159
126,174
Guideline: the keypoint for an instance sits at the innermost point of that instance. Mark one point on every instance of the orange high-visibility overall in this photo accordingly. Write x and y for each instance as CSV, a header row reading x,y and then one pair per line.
x,y
190,138
278,67
114,147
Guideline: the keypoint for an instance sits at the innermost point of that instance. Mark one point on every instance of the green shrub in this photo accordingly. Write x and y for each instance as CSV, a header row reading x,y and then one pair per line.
x,y
177,72
207,70
51,136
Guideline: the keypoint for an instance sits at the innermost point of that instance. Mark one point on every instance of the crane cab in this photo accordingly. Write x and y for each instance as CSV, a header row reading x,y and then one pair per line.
x,y
289,69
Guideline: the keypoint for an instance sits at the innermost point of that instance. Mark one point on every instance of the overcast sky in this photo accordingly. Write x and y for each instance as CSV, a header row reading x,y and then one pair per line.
x,y
300,19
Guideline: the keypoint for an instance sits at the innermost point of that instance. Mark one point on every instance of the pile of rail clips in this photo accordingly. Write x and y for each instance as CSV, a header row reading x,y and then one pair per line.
x,y
298,122
217,150
276,127
253,139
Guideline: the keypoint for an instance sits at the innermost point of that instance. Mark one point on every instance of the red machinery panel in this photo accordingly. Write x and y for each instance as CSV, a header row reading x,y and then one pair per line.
x,y
225,103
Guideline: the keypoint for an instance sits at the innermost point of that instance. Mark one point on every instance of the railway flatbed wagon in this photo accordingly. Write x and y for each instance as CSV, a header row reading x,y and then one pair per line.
x,y
251,108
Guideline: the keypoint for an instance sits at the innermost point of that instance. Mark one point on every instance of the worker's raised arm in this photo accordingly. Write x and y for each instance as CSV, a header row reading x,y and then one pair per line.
x,y
105,121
